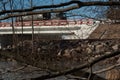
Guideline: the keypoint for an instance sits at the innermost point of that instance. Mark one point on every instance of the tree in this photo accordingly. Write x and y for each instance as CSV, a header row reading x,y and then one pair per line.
x,y
113,12
55,8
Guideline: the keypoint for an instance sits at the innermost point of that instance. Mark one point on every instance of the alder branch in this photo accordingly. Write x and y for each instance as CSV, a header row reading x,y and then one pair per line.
x,y
83,66
15,70
90,75
40,7
38,12
106,69
80,4
55,8
75,77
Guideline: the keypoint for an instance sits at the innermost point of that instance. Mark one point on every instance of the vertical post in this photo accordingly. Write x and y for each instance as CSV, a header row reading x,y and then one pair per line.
x,y
11,7
32,29
22,6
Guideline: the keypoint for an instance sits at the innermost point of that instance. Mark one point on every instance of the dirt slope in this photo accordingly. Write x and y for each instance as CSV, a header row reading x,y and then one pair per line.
x,y
106,31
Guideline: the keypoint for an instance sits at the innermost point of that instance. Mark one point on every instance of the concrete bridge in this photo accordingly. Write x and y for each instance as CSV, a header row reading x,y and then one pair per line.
x,y
66,29
48,29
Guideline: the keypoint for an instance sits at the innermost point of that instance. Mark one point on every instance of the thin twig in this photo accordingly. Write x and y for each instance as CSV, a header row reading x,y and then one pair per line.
x,y
15,70
90,75
106,69
69,7
80,67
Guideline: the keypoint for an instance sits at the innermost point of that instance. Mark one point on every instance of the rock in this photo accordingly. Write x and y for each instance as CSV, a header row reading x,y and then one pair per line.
x,y
88,50
67,53
115,47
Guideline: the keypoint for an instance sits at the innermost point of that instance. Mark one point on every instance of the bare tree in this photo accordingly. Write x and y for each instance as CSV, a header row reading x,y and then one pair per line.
x,y
20,11
113,12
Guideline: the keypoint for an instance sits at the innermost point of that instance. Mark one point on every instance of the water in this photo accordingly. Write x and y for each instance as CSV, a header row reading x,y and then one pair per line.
x,y
7,72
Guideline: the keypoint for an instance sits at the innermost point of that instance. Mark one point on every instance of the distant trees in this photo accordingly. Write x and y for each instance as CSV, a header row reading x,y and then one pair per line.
x,y
113,12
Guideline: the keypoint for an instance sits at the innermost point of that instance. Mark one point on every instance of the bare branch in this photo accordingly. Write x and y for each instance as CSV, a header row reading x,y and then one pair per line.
x,y
55,8
106,69
15,70
96,60
38,12
40,7
80,4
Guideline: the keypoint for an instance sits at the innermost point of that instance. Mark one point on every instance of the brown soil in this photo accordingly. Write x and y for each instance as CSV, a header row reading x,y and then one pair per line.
x,y
106,31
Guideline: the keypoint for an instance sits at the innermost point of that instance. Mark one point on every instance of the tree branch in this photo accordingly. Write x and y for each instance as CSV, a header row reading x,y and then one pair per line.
x,y
38,12
80,4
86,65
55,8
15,70
41,7
106,69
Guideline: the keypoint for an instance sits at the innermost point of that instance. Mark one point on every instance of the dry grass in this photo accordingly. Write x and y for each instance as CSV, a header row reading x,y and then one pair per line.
x,y
113,74
106,31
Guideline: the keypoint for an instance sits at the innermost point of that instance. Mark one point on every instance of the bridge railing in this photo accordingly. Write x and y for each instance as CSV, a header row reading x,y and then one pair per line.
x,y
49,23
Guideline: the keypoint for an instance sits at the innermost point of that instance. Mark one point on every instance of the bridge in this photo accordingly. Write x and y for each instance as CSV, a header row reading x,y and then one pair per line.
x,y
67,29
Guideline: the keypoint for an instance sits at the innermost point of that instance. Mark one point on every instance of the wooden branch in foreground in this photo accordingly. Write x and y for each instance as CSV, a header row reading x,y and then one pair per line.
x,y
80,4
54,8
83,66
106,69
15,70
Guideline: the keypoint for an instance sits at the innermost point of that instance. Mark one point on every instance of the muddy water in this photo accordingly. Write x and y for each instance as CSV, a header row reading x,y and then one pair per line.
x,y
7,72
25,73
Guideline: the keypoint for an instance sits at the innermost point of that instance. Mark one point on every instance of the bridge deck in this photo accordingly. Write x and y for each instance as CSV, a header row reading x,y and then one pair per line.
x,y
68,29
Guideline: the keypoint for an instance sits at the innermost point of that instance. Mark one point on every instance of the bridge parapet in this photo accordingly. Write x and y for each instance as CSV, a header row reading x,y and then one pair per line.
x,y
67,29
49,23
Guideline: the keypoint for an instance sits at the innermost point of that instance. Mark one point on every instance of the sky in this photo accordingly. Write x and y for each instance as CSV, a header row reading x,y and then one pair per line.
x,y
84,12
